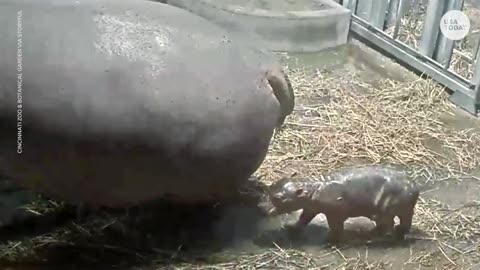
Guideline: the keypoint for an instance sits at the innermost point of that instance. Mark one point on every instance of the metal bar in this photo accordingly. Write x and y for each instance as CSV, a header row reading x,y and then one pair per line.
x,y
476,73
477,46
465,96
392,14
463,56
468,103
402,9
416,6
398,21
364,9
351,5
431,27
444,49
476,98
365,28
378,13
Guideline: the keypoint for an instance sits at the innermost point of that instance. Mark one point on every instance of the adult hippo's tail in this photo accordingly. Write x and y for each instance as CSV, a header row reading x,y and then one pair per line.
x,y
283,90
130,101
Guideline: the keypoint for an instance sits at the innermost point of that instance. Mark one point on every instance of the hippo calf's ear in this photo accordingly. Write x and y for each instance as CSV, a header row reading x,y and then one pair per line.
x,y
273,212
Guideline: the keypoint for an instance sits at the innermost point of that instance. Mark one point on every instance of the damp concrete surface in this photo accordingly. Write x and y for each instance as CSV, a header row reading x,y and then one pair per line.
x,y
372,67
250,233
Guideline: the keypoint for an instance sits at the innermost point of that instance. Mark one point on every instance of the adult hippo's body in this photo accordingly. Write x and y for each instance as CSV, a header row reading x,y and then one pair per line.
x,y
127,101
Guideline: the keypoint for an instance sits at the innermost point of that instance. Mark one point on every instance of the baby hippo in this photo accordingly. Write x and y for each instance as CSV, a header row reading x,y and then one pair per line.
x,y
375,192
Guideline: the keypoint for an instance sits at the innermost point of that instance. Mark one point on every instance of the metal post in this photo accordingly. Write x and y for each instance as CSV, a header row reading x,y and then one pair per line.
x,y
392,15
444,50
472,102
351,5
474,86
364,8
402,9
431,27
476,98
476,73
378,13
475,52
416,6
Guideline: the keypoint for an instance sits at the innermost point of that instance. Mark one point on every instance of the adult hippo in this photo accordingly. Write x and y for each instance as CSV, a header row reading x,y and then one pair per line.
x,y
126,101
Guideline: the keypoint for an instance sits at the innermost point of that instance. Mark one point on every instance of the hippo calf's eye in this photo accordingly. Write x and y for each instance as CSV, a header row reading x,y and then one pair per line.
x,y
277,198
278,195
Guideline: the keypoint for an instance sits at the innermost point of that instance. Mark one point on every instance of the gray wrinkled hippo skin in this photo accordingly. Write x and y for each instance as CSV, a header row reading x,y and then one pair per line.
x,y
127,101
376,192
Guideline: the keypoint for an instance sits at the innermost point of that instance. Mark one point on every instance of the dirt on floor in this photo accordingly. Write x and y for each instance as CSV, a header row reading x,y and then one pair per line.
x,y
446,227
353,106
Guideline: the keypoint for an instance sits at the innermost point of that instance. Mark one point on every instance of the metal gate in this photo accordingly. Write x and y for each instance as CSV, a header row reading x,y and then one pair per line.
x,y
378,24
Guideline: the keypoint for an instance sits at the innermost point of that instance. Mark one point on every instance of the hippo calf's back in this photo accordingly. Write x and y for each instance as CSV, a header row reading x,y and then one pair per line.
x,y
370,189
375,192
128,101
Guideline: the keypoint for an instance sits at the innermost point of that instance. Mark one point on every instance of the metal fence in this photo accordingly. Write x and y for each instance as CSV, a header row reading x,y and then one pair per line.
x,y
378,23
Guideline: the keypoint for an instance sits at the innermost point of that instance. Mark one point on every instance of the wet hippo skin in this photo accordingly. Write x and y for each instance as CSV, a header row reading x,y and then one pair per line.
x,y
376,192
127,101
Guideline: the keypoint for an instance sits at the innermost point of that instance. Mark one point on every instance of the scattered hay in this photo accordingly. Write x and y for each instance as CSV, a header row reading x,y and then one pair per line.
x,y
443,222
340,119
85,242
345,120
279,258
41,206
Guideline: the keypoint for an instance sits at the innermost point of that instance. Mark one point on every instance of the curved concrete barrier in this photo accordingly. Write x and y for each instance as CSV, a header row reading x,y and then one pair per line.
x,y
325,26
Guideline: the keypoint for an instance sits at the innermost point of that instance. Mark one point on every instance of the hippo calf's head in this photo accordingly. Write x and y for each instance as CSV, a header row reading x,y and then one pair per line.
x,y
283,91
286,196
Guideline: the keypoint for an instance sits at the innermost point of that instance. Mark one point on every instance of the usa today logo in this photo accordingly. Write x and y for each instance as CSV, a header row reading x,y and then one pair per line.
x,y
455,25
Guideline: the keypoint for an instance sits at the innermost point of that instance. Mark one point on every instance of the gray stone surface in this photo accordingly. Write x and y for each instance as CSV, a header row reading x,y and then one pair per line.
x,y
276,28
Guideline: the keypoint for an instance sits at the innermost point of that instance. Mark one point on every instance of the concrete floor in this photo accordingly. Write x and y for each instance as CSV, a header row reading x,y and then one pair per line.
x,y
371,66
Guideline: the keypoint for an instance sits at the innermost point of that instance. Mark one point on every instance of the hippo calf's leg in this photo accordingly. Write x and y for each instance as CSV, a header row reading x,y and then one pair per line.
x,y
405,225
405,214
336,228
305,218
294,230
384,224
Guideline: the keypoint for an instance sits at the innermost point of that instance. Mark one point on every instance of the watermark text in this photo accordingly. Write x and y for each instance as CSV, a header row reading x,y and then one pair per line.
x,y
19,82
455,25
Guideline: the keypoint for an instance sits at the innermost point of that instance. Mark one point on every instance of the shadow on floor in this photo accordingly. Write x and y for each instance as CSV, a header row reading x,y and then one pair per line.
x,y
316,235
158,233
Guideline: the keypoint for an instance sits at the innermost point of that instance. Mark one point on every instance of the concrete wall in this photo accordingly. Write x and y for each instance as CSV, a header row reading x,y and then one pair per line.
x,y
300,31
